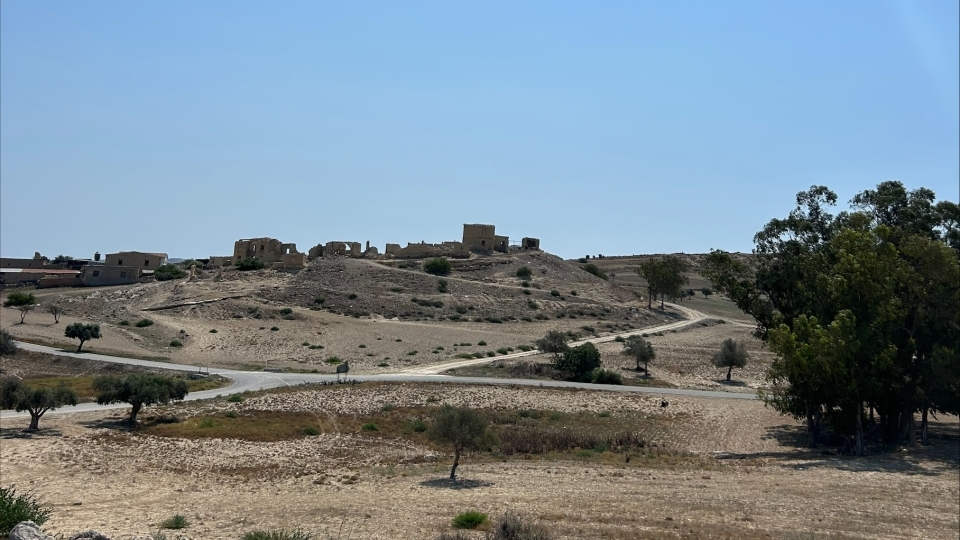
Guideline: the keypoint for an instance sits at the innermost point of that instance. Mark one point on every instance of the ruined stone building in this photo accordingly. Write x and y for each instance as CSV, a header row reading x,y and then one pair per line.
x,y
483,238
338,248
423,249
271,251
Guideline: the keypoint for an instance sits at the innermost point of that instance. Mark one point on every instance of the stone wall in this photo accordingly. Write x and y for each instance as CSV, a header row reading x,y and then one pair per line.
x,y
479,237
268,250
109,275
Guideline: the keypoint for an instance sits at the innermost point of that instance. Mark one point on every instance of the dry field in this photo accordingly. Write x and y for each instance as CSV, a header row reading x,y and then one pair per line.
x,y
272,319
710,469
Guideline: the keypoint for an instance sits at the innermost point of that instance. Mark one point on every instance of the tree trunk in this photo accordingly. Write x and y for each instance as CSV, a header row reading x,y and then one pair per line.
x,y
34,421
456,463
80,345
649,299
134,411
923,427
23,315
729,370
646,370
661,301
811,427
859,449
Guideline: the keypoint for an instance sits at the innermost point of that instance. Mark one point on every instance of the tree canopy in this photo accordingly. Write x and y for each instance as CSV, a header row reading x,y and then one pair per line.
x,y
862,308
640,350
461,428
139,389
555,342
579,361
169,271
83,332
664,277
16,395
732,354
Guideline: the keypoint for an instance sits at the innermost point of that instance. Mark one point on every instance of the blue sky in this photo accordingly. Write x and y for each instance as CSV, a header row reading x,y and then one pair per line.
x,y
599,127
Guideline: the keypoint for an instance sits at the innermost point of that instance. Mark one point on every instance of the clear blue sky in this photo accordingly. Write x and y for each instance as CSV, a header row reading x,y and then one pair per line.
x,y
599,127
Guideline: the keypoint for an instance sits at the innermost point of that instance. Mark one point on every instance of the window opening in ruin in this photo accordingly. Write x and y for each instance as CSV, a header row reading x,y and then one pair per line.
x,y
146,263
96,273
483,243
123,274
120,262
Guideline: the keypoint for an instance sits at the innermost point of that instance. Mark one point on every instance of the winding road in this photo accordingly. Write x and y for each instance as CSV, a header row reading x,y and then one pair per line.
x,y
259,380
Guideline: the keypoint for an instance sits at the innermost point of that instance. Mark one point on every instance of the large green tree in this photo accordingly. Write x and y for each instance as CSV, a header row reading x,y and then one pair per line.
x,y
83,332
139,389
861,307
19,396
664,276
640,350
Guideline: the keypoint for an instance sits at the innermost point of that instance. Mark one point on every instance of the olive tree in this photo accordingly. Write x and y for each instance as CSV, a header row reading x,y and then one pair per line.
x,y
83,332
578,361
732,354
22,301
139,389
640,350
16,395
554,342
463,429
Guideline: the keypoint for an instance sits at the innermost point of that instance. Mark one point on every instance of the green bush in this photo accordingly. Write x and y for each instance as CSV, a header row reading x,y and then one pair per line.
x,y
532,305
124,323
213,330
524,273
143,323
592,268
15,508
286,311
352,296
442,285
18,298
605,376
481,343
311,431
169,271
333,360
438,266
383,364
415,426
251,263
491,354
573,293
280,534
619,339
470,520
176,343
178,521
274,329
235,398
319,300
503,350
369,426
578,361
7,346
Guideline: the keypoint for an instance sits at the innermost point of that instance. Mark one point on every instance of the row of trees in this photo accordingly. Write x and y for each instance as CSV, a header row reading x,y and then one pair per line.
x,y
137,389
25,302
861,307
665,278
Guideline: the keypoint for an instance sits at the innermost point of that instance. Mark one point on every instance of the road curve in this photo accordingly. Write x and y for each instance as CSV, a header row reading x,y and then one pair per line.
x,y
259,380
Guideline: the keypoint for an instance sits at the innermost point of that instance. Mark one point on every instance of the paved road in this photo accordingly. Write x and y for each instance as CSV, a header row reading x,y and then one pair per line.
x,y
259,380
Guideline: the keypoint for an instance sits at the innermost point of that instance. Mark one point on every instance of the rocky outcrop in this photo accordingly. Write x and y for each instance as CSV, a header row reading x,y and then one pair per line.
x,y
28,530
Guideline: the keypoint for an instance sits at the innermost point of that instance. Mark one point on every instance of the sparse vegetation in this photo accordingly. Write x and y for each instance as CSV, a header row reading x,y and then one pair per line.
x,y
462,429
442,285
15,508
251,263
470,520
176,343
167,272
274,329
593,269
278,534
438,266
524,273
7,346
143,323
177,521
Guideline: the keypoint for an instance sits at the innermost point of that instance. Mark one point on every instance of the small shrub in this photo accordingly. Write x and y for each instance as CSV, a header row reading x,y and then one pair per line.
x,y
396,289
235,398
143,323
280,534
231,414
442,285
471,519
524,348
527,292
15,508
593,269
524,284
176,343
315,347
305,344
383,364
461,310
438,266
619,339
605,376
311,431
502,350
352,296
286,311
491,354
333,360
412,353
532,305
524,273
573,293
124,323
178,521
465,355
554,293
415,426
274,329
319,300
361,346
213,330
207,423
494,320
250,263
369,426
481,343
398,340
387,407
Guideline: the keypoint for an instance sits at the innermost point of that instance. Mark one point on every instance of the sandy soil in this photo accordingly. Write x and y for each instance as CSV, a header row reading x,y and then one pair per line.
x,y
753,484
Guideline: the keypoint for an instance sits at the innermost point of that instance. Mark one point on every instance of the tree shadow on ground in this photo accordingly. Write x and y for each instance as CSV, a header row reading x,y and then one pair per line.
x,y
21,433
446,483
942,455
113,422
725,382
